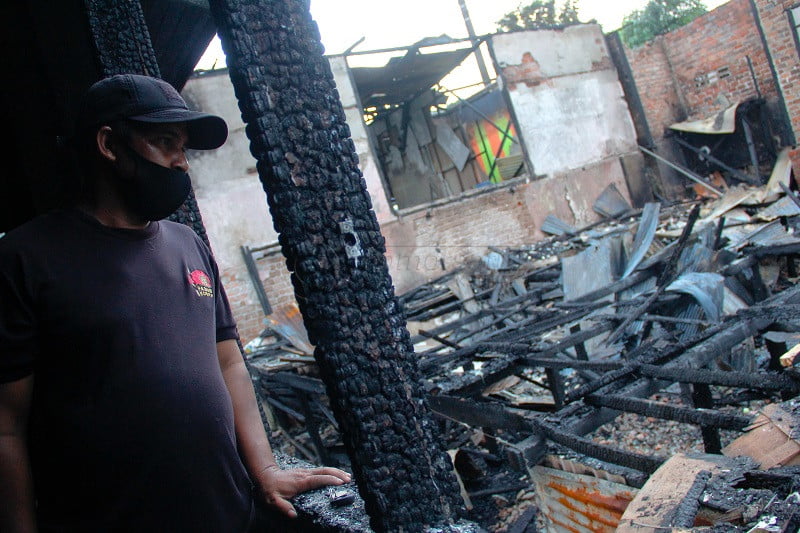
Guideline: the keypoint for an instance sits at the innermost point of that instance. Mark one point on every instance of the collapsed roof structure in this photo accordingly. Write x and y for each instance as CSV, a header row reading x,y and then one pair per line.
x,y
676,313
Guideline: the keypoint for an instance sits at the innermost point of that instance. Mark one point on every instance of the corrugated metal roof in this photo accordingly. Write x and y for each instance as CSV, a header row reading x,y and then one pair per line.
x,y
580,503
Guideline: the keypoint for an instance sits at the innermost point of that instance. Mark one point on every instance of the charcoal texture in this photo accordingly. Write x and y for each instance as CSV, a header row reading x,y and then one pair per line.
x,y
333,247
121,37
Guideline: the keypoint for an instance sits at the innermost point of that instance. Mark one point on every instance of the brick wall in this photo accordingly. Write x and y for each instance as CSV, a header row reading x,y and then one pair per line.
x,y
458,231
242,295
780,38
652,73
694,71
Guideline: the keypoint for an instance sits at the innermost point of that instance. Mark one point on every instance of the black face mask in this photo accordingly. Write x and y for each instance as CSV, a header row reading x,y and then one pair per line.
x,y
153,192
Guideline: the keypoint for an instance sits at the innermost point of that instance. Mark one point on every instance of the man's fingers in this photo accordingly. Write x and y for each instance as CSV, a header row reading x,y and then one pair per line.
x,y
284,506
315,481
330,471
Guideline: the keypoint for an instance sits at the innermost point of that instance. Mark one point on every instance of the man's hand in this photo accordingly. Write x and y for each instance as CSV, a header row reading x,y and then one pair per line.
x,y
278,486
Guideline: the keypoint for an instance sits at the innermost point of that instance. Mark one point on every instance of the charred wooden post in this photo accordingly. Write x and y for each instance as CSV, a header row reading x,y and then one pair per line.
x,y
703,399
121,37
331,239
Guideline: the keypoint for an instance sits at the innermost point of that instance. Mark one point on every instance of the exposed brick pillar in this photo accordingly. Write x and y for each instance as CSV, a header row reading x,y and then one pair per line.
x,y
331,239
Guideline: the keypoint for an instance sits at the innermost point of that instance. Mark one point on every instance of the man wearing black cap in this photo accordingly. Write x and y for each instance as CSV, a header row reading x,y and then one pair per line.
x,y
125,404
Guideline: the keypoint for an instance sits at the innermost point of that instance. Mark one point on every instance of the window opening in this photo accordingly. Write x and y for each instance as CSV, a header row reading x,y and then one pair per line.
x,y
431,141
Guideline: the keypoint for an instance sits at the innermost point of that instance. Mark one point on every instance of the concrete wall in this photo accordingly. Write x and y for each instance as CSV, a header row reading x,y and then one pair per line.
x,y
566,96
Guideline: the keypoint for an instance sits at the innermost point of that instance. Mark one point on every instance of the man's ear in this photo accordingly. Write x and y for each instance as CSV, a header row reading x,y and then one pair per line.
x,y
104,139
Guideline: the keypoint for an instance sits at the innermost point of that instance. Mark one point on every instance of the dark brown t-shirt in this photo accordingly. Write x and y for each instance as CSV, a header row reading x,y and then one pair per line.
x,y
131,424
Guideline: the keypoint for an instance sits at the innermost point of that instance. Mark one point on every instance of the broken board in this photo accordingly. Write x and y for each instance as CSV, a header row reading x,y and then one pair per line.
x,y
772,440
656,506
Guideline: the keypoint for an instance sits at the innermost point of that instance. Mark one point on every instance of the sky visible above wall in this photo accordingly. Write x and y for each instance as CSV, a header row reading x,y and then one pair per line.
x,y
392,23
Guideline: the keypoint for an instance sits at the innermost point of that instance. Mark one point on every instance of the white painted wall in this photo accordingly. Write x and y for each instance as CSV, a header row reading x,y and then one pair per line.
x,y
566,96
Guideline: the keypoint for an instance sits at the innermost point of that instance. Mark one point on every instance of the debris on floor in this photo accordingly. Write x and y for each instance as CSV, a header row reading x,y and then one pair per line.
x,y
571,371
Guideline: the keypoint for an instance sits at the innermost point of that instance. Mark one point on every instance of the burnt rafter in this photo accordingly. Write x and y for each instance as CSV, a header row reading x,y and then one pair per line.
x,y
330,236
527,371
668,412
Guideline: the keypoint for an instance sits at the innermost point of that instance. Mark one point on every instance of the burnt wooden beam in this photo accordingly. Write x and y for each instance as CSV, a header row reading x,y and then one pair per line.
x,y
437,338
772,381
703,399
308,166
668,412
600,366
527,349
492,415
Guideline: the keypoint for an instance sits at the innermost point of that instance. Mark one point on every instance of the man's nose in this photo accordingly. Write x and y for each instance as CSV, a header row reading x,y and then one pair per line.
x,y
181,162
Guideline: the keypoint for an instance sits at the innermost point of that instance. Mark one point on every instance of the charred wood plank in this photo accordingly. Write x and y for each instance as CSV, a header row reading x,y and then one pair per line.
x,y
580,347
636,461
455,324
302,383
556,386
655,318
477,414
772,381
668,412
491,415
286,409
562,345
499,490
433,364
647,353
497,321
702,398
601,366
686,512
533,296
471,384
520,525
437,338
312,426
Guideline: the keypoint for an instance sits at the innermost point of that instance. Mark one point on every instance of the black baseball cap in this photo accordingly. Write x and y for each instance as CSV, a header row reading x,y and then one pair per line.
x,y
146,99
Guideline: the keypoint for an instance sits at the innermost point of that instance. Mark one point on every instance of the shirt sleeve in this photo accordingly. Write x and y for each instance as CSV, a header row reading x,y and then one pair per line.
x,y
18,325
226,325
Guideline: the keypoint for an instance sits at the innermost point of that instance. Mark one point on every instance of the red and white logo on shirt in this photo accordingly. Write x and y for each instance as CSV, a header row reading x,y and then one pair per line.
x,y
201,283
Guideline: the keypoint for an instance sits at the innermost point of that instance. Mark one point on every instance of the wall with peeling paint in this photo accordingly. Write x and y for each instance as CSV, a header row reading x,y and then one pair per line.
x,y
566,96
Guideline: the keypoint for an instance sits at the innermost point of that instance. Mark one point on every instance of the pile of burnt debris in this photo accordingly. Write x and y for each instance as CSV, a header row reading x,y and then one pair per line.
x,y
683,315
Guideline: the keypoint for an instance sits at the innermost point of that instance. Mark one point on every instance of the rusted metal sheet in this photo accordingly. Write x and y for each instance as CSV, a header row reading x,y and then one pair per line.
x,y
578,503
